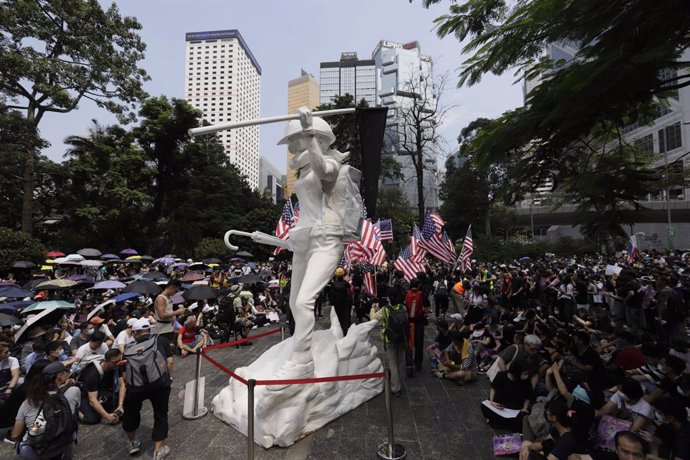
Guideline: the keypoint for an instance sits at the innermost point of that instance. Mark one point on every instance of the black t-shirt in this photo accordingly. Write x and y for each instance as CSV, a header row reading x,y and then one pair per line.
x,y
589,357
92,380
511,393
581,296
565,446
443,341
339,292
636,300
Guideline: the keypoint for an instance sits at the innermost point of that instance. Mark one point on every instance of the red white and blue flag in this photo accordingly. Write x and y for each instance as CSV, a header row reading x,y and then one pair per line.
x,y
465,259
368,271
407,265
432,238
287,221
418,253
385,227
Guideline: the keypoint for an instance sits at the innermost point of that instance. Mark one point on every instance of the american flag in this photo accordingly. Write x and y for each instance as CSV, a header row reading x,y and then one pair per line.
x,y
467,250
370,235
450,245
632,250
368,271
380,256
385,229
287,220
405,264
418,253
357,251
432,238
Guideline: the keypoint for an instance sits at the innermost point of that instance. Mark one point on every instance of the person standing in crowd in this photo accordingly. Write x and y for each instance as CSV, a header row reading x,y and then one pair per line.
x,y
669,309
441,295
146,377
165,316
341,299
418,314
394,333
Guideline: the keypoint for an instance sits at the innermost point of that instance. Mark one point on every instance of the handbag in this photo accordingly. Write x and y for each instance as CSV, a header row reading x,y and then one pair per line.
x,y
507,444
607,429
494,369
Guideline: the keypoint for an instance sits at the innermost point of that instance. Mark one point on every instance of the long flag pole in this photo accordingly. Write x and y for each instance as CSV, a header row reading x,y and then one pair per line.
x,y
263,121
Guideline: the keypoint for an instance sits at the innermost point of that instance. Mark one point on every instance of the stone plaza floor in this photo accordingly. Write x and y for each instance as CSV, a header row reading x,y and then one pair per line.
x,y
434,419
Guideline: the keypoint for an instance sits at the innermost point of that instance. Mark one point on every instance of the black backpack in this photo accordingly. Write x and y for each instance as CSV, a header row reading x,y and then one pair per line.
x,y
54,428
397,324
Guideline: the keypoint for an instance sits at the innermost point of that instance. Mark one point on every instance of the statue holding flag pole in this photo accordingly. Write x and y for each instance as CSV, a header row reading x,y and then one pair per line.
x,y
330,215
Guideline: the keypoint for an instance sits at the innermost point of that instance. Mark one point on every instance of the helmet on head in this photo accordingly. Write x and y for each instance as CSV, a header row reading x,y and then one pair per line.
x,y
340,271
321,128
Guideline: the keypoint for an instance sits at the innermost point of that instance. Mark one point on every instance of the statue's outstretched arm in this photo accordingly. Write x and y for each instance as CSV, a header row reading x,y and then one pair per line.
x,y
259,237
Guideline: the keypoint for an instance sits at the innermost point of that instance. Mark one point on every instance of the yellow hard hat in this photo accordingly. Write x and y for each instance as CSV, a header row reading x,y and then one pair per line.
x,y
340,271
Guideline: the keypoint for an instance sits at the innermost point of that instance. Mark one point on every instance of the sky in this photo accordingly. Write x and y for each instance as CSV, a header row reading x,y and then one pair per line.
x,y
285,37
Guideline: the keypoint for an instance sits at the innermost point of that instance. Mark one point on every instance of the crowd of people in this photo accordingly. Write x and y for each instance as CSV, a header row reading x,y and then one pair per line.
x,y
586,357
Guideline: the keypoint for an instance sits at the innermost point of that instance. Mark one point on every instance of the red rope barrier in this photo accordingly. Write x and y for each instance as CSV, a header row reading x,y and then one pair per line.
x,y
338,378
224,369
236,342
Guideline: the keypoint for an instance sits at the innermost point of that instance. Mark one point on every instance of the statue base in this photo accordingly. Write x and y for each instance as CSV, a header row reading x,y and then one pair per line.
x,y
285,414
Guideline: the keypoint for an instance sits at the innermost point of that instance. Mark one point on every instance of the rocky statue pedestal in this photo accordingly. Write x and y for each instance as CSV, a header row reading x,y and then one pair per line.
x,y
286,413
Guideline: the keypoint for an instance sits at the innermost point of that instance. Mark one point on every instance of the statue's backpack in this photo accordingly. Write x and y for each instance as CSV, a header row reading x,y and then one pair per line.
x,y
353,209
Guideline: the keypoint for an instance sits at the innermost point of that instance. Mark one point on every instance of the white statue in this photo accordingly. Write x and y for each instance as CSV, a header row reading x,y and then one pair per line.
x,y
330,214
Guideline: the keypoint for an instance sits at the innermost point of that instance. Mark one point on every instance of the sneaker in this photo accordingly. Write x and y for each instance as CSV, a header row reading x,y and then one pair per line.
x,y
8,439
133,447
158,454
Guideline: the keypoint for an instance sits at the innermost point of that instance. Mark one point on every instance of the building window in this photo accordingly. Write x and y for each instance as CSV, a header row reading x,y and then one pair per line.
x,y
645,144
670,138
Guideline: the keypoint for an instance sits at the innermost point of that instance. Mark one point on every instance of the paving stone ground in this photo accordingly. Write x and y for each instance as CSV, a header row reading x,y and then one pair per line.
x,y
434,420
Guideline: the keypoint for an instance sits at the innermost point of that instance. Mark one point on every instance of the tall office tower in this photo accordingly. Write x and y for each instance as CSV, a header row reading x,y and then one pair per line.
x,y
223,80
349,75
303,91
398,65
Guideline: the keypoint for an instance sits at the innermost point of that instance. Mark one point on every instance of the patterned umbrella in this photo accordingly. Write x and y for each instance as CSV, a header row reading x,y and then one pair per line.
x,y
192,277
55,284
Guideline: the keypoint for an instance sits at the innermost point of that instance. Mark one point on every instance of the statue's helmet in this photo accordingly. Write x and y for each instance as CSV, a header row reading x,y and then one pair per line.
x,y
321,128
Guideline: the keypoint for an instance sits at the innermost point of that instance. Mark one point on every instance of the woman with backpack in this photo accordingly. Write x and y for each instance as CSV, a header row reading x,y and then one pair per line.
x,y
47,418
441,295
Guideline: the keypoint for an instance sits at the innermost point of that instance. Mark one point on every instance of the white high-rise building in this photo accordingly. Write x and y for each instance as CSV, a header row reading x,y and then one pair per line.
x,y
349,75
399,67
223,80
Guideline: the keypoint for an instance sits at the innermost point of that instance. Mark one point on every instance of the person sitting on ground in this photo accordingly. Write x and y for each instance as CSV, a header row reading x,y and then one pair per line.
x,y
243,316
99,325
9,372
35,334
630,446
190,338
99,384
39,352
627,403
563,445
511,389
125,336
85,331
50,390
96,346
459,360
441,342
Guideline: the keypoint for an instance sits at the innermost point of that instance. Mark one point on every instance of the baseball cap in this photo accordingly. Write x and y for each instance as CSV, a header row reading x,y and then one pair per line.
x,y
141,324
96,320
478,330
53,369
456,316
131,321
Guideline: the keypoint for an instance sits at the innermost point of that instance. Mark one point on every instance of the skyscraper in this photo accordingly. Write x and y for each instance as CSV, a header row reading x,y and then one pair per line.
x,y
398,66
303,91
223,80
349,75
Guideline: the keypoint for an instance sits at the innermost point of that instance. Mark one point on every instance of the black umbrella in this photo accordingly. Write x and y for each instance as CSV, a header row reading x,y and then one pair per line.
x,y
147,258
143,287
200,293
23,264
213,260
32,284
89,252
248,279
9,320
198,266
155,276
15,293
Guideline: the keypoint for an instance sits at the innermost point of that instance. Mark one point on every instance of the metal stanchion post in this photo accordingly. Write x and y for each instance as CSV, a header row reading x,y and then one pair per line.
x,y
390,450
250,418
282,331
197,380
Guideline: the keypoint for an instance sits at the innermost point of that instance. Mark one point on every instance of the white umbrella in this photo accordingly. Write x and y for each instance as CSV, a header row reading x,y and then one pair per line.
x,y
98,308
75,257
90,263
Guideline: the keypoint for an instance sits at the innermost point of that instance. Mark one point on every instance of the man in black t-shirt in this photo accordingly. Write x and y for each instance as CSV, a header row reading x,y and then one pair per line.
x,y
98,385
632,295
584,359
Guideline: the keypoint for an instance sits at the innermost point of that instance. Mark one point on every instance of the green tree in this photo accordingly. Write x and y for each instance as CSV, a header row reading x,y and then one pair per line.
x,y
54,54
16,245
212,247
392,204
